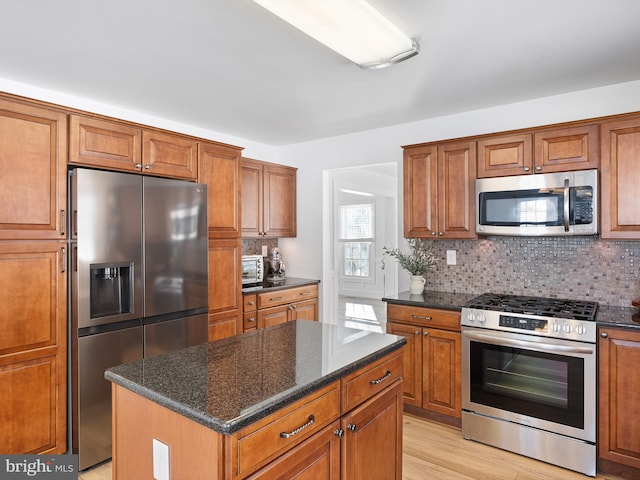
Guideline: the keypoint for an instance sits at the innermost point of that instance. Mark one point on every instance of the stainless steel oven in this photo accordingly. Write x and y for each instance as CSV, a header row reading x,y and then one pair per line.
x,y
529,377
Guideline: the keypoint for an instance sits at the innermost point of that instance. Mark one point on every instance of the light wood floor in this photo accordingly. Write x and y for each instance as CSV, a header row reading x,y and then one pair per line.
x,y
438,452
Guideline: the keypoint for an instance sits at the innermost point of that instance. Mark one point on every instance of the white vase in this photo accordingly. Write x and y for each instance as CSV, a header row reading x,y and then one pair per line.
x,y
416,284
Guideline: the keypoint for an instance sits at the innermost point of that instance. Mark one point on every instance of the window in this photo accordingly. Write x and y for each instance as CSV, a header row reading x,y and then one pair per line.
x,y
356,237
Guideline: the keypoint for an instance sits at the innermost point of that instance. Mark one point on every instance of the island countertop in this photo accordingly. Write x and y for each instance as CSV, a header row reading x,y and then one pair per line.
x,y
231,383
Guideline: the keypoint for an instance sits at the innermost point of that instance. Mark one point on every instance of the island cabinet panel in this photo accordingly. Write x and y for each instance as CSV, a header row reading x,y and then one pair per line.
x,y
432,360
619,397
138,421
97,142
372,445
257,445
33,157
620,177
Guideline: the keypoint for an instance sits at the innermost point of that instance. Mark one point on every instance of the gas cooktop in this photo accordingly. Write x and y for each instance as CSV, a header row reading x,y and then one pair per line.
x,y
540,306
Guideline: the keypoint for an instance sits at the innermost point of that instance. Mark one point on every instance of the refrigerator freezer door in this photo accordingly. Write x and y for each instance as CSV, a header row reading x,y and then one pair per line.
x,y
175,246
92,412
172,335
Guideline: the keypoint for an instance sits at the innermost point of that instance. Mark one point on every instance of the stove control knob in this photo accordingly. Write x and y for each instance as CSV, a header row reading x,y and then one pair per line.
x,y
568,328
581,329
556,326
471,317
481,318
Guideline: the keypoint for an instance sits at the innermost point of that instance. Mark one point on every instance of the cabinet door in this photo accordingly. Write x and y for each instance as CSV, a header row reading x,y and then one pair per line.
x,y
273,316
306,310
501,156
225,287
33,352
412,361
619,396
251,198
279,217
168,155
372,444
317,458
620,178
219,168
33,157
441,372
420,177
456,190
565,149
100,143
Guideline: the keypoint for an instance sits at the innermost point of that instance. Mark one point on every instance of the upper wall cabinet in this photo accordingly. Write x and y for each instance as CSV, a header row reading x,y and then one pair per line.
x,y
33,152
219,168
268,199
543,151
620,179
97,142
439,190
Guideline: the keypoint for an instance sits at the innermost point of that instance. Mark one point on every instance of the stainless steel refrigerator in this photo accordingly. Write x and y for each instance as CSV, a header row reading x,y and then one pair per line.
x,y
138,273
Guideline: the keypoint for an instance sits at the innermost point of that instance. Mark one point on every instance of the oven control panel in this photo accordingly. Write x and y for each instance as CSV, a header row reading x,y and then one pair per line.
x,y
523,323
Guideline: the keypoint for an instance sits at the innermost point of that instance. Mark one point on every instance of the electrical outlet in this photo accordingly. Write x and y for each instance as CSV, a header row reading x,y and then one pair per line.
x,y
160,460
451,257
264,251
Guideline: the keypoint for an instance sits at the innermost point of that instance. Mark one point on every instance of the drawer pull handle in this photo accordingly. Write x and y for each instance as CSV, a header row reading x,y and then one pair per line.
x,y
380,380
252,302
312,419
273,299
424,317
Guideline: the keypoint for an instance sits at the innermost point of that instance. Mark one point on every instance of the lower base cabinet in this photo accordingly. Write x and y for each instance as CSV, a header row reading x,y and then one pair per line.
x,y
264,310
619,398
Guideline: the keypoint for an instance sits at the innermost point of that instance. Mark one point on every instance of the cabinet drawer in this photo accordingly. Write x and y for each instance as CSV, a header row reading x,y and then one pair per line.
x,y
249,302
289,295
368,381
267,439
249,321
426,317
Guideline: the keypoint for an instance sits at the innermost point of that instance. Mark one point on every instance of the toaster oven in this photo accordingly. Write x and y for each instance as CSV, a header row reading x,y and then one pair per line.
x,y
252,269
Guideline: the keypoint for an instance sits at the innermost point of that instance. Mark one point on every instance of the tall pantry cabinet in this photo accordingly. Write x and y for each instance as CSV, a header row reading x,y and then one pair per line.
x,y
33,278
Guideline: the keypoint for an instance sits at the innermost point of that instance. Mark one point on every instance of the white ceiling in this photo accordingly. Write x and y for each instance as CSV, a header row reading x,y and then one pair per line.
x,y
232,67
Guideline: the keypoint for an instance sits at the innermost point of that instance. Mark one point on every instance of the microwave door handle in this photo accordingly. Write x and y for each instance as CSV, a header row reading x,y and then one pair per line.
x,y
512,342
566,204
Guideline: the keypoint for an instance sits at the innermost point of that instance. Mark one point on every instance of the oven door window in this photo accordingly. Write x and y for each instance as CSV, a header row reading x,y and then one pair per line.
x,y
540,385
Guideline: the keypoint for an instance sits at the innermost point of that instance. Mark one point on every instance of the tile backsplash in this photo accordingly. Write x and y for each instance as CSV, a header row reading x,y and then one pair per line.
x,y
580,268
253,246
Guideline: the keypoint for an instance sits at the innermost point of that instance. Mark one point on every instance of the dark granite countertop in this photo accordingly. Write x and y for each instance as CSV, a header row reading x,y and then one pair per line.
x,y
231,383
623,317
431,299
288,282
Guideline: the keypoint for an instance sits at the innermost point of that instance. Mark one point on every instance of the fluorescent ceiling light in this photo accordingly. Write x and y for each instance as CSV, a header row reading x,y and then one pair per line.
x,y
353,28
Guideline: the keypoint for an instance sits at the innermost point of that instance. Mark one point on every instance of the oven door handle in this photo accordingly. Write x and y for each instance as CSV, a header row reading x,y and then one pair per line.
x,y
508,342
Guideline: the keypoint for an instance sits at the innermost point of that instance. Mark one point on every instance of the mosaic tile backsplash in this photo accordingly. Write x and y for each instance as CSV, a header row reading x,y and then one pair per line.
x,y
253,246
579,268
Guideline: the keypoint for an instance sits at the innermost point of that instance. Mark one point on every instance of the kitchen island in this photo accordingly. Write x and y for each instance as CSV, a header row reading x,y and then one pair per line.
x,y
300,396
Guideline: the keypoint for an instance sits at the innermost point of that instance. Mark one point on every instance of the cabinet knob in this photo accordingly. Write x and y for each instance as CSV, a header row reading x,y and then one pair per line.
x,y
433,234
441,233
417,332
138,165
425,333
526,169
338,432
538,168
604,335
252,320
352,427
251,302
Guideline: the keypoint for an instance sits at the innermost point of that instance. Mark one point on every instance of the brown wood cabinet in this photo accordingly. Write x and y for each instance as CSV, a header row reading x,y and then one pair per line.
x,y
33,347
620,179
619,397
439,190
539,151
268,199
348,429
112,145
33,157
225,288
432,360
266,309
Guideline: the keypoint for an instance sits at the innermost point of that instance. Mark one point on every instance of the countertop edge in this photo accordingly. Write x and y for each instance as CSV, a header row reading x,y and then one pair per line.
x,y
289,282
262,410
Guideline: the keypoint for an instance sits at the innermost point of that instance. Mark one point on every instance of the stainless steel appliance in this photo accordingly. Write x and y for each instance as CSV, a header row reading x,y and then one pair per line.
x,y
252,269
139,279
275,266
547,204
529,377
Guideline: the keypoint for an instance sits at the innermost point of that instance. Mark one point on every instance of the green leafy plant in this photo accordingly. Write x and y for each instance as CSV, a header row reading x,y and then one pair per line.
x,y
418,261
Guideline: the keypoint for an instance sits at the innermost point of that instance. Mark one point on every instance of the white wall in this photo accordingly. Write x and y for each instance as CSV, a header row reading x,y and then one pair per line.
x,y
306,252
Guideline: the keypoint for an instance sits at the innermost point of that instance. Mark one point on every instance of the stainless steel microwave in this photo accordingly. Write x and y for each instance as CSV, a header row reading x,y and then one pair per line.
x,y
547,204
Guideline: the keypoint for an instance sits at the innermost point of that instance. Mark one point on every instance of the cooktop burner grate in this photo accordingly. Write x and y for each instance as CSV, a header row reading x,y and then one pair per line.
x,y
540,306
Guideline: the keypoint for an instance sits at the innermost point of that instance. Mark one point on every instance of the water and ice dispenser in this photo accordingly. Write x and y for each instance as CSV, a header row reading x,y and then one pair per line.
x,y
111,289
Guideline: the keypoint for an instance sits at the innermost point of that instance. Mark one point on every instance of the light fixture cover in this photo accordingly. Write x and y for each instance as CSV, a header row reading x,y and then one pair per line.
x,y
353,28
